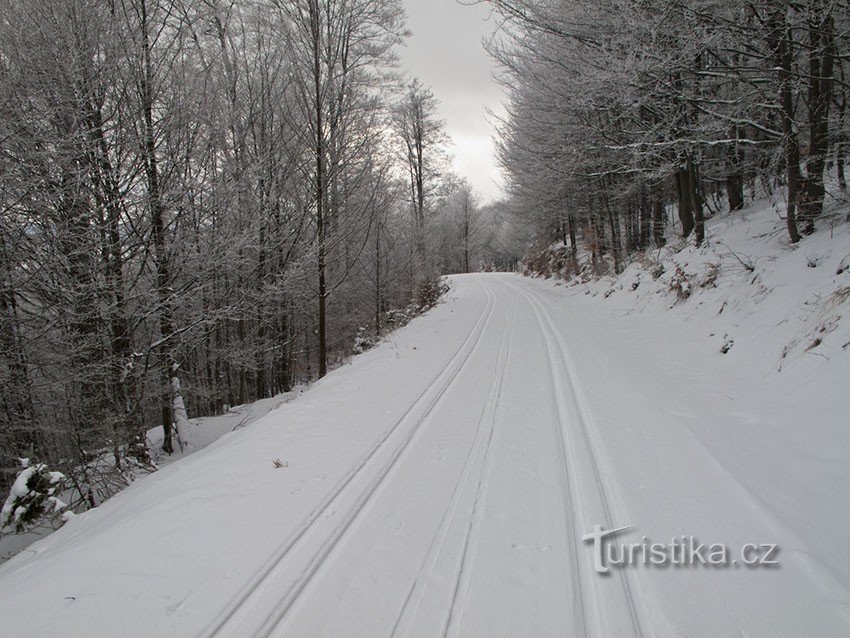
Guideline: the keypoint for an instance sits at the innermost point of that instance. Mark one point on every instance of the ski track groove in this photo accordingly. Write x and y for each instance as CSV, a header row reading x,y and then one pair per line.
x,y
551,335
280,613
465,569
407,613
579,604
261,578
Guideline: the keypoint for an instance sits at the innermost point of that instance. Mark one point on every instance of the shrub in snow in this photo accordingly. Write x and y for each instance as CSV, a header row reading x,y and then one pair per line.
x,y
395,318
712,271
33,496
680,284
429,293
556,260
362,342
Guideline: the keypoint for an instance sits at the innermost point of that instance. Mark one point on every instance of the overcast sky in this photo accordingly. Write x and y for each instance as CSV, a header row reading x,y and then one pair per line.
x,y
445,53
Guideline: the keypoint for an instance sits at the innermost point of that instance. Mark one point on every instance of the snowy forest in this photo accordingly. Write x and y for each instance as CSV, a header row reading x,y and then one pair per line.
x,y
415,318
209,202
205,202
625,117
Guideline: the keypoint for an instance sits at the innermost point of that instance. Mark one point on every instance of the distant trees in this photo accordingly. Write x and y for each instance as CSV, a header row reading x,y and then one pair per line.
x,y
618,111
424,151
202,203
469,223
467,232
340,50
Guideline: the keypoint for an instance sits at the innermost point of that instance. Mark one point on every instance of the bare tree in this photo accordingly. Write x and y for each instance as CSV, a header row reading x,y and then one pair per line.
x,y
424,142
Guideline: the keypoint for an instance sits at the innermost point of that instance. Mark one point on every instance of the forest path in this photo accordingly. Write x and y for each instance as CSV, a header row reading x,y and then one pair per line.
x,y
441,486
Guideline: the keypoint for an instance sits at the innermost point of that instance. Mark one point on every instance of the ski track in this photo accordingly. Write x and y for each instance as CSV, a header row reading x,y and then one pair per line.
x,y
586,606
226,623
421,582
279,615
465,566
579,604
566,386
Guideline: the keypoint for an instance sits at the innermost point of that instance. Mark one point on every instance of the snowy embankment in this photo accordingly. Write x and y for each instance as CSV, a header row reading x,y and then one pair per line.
x,y
748,293
198,527
204,431
734,356
441,484
201,432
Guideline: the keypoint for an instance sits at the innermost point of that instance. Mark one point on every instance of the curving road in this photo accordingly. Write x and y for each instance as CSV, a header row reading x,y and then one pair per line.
x,y
438,486
470,504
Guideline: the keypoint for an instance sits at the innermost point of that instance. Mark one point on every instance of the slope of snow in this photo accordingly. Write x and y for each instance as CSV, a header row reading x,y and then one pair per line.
x,y
749,290
739,388
204,431
440,485
201,432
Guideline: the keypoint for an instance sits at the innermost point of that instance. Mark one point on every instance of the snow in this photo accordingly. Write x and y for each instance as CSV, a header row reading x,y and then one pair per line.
x,y
199,432
19,487
13,508
203,431
181,418
441,483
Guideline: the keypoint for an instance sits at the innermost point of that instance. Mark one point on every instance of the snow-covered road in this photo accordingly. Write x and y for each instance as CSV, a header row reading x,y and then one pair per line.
x,y
440,485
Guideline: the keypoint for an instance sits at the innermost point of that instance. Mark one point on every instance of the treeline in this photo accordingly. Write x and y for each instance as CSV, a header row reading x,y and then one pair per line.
x,y
621,111
203,203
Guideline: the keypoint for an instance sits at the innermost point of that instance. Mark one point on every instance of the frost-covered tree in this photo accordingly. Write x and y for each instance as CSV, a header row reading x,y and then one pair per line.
x,y
618,112
200,207
424,151
34,496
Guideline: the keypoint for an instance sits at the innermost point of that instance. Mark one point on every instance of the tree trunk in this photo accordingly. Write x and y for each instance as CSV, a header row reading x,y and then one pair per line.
x,y
658,219
260,381
17,413
466,214
181,418
821,64
320,150
734,174
841,138
686,210
157,214
614,227
571,225
378,291
780,41
645,219
108,198
696,201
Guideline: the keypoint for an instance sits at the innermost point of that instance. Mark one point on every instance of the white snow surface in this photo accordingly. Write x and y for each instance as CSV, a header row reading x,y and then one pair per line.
x,y
441,483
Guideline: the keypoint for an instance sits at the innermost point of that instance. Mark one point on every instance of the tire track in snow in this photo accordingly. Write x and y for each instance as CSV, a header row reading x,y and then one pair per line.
x,y
482,442
454,618
316,560
569,387
579,606
283,607
260,581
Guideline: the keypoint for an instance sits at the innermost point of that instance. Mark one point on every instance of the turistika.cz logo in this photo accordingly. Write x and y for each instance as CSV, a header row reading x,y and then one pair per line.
x,y
681,551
